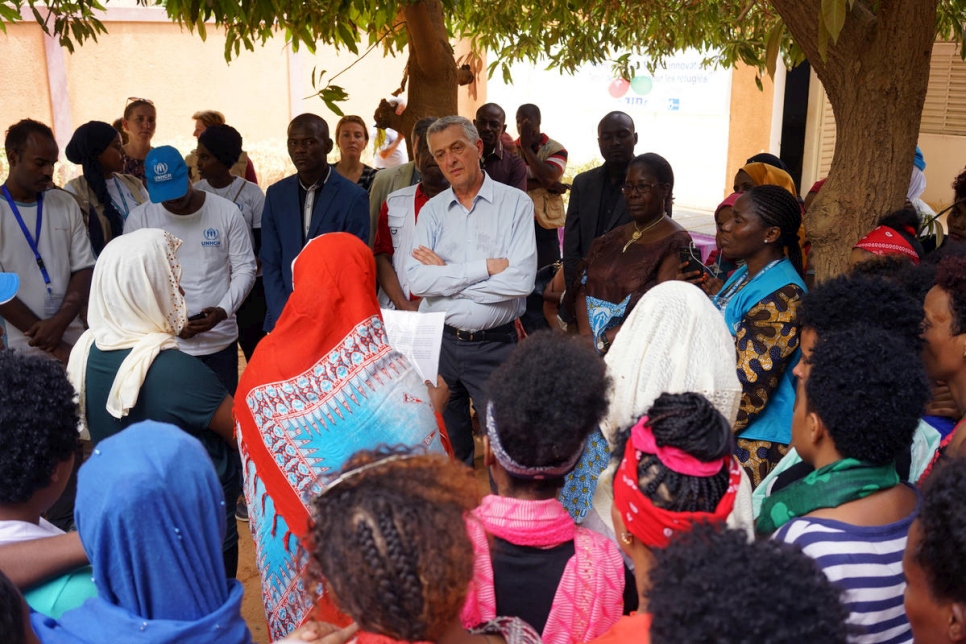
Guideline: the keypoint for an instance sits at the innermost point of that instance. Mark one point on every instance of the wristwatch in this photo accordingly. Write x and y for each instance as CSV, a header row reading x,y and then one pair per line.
x,y
603,344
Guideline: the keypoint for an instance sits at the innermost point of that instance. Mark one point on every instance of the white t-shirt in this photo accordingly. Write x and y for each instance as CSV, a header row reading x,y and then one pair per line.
x,y
398,156
17,531
65,248
217,263
246,195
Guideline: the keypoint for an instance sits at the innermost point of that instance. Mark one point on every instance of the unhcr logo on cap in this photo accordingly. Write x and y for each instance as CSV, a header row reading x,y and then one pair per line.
x,y
161,172
212,238
166,173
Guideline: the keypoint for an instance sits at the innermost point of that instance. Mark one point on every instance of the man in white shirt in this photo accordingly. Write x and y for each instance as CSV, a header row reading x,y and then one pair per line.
x,y
217,261
43,241
474,258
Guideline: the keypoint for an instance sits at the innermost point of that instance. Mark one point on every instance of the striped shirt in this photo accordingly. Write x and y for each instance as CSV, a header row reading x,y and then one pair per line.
x,y
866,562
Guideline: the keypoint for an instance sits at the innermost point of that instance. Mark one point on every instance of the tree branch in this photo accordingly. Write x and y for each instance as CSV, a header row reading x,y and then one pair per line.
x,y
429,47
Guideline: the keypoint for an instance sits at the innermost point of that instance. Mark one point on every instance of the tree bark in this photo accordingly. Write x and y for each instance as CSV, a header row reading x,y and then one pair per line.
x,y
432,71
875,77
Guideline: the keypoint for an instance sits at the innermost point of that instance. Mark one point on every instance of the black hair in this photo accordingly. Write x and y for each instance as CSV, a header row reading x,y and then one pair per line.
x,y
959,185
697,594
942,517
662,171
769,159
899,269
420,129
313,121
391,542
692,424
133,105
869,388
38,424
847,301
777,207
11,612
905,221
547,398
19,132
951,277
529,108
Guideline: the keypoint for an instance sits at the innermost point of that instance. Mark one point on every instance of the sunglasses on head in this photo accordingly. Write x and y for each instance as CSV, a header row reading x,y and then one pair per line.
x,y
135,99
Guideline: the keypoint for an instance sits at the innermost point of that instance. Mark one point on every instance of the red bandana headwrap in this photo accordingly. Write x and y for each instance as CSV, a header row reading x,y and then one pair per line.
x,y
655,526
886,241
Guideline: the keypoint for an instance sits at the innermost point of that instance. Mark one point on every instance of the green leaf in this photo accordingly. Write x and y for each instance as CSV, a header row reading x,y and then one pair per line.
x,y
833,18
773,48
822,41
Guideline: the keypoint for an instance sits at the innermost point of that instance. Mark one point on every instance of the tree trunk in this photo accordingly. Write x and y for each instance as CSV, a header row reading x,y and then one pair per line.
x,y
432,71
875,77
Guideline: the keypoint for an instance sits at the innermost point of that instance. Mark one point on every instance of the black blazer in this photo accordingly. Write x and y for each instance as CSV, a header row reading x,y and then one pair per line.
x,y
583,213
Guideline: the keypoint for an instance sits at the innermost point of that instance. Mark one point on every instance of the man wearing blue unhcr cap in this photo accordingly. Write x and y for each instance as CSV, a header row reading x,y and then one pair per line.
x,y
217,260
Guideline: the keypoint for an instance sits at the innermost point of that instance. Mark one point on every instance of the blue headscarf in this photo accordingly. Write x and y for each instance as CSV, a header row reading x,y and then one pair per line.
x,y
150,513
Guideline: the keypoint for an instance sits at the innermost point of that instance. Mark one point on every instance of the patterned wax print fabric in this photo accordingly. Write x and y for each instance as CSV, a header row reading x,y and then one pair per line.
x,y
577,494
322,386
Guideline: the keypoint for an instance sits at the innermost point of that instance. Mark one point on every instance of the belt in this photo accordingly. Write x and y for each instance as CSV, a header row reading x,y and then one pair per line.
x,y
503,333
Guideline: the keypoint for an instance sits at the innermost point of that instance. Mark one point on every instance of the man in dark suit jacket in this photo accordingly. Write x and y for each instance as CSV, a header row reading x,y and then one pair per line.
x,y
596,201
314,201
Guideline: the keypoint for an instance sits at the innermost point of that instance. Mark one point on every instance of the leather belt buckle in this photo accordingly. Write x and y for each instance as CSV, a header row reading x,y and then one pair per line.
x,y
465,336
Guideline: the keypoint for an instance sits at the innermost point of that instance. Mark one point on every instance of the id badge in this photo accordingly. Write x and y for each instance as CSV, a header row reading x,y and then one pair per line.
x,y
52,302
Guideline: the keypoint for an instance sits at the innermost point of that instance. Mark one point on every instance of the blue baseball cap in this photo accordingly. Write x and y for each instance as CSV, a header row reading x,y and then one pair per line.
x,y
9,283
166,174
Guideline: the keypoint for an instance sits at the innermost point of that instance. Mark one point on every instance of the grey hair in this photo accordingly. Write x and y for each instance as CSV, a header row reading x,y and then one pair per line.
x,y
469,130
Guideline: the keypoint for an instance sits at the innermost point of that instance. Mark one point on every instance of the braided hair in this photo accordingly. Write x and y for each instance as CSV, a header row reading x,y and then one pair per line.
x,y
692,424
391,543
661,169
776,207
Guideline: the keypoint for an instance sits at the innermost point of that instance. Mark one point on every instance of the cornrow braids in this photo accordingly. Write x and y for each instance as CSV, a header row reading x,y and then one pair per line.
x,y
388,538
692,424
776,207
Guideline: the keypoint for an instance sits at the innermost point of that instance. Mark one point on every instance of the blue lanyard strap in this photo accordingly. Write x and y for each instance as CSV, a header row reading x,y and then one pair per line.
x,y
33,241
126,209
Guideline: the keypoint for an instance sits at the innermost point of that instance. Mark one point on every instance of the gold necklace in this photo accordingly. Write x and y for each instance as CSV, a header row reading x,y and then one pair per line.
x,y
640,231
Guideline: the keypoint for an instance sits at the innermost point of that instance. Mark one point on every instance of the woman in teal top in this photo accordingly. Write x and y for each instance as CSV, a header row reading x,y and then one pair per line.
x,y
760,302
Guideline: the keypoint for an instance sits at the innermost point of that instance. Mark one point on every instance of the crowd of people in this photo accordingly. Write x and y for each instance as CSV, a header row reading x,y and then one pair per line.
x,y
674,449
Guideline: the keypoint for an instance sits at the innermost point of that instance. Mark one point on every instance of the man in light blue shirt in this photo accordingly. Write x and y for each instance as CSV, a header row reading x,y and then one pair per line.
x,y
475,259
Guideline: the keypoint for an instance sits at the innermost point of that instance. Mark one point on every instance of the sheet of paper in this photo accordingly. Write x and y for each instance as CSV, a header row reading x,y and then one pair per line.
x,y
417,336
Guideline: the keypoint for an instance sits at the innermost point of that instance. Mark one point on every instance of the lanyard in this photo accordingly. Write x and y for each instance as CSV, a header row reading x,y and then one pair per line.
x,y
127,210
33,241
722,300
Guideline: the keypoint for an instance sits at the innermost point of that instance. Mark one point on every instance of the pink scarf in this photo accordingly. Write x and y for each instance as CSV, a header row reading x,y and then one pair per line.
x,y
589,598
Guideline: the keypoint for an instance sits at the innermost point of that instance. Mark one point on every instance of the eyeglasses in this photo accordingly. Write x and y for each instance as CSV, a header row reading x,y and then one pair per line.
x,y
135,99
639,188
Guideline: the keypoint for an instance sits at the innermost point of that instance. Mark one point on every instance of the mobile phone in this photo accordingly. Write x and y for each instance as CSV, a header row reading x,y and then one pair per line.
x,y
692,256
198,316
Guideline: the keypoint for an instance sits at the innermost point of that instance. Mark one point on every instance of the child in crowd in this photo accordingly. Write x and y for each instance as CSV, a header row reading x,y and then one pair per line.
x,y
700,592
935,559
38,440
676,469
390,542
851,514
532,561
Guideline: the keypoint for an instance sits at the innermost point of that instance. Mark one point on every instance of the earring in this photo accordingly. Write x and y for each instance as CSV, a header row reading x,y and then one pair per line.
x,y
627,538
767,242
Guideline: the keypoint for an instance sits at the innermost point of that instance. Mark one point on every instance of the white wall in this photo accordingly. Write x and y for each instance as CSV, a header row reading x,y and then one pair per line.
x,y
684,116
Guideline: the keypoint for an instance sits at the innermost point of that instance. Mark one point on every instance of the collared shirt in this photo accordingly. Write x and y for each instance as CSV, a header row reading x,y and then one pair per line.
x,y
506,168
499,224
307,199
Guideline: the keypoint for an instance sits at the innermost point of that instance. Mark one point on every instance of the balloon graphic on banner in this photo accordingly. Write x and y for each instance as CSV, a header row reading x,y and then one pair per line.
x,y
642,85
618,87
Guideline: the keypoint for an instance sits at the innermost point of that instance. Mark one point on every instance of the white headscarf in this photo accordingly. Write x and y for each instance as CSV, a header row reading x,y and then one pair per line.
x,y
135,303
674,341
917,184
